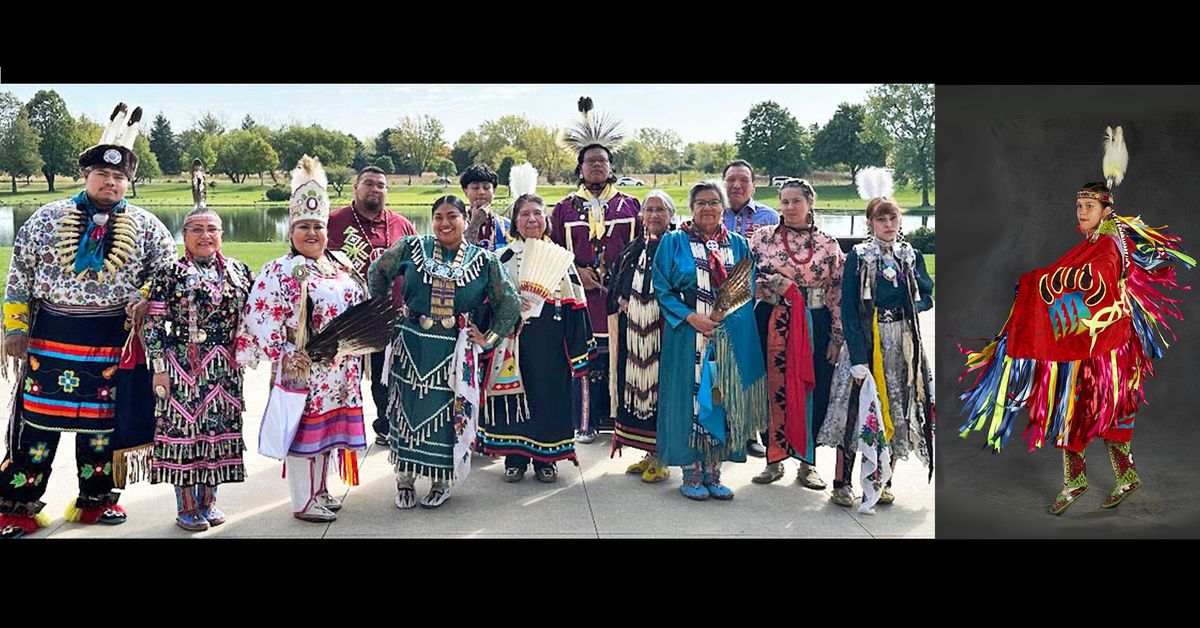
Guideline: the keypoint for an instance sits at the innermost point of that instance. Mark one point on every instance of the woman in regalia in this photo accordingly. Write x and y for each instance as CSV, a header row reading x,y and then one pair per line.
x,y
639,339
195,310
450,287
293,298
713,389
800,324
528,387
881,403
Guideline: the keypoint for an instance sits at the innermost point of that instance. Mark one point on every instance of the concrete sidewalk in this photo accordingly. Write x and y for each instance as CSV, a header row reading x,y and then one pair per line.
x,y
595,500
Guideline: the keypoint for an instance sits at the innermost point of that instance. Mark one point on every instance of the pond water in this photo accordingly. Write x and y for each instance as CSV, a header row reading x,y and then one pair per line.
x,y
251,223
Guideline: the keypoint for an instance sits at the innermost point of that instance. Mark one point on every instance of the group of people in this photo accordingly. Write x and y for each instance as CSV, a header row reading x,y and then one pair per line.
x,y
690,341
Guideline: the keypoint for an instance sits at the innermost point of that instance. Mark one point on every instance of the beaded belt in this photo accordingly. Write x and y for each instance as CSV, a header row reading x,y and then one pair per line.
x,y
891,315
427,322
81,310
816,298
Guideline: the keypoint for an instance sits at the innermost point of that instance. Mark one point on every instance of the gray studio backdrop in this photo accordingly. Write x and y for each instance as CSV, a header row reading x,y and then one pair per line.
x,y
1009,161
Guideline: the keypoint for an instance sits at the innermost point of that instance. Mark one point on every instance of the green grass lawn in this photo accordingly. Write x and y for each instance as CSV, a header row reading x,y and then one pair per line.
x,y
417,196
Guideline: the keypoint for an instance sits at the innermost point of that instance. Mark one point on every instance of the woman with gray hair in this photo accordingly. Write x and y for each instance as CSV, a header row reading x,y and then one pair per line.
x,y
639,338
196,306
712,385
528,381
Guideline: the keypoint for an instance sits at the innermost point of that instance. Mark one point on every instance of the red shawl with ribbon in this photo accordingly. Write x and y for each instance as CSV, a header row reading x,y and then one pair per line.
x,y
1072,309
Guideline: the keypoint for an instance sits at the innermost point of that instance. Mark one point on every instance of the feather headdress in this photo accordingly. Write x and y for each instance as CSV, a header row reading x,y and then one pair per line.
x,y
522,179
593,129
1114,165
873,183
115,146
309,200
1116,156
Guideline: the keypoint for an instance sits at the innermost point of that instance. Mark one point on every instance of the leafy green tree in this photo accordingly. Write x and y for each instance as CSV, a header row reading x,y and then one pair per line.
x,y
418,139
48,115
631,158
198,145
148,166
664,147
553,161
901,116
506,165
19,155
466,150
773,141
443,167
339,176
495,135
384,163
165,145
241,153
843,141
333,148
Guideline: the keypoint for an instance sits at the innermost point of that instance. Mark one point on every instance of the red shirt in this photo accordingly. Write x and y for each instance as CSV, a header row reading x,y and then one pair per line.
x,y
346,234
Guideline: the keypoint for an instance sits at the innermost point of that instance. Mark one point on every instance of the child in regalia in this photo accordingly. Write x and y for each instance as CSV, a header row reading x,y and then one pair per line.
x,y
1077,346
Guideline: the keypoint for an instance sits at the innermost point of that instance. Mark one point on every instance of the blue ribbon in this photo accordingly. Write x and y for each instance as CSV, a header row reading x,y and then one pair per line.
x,y
91,251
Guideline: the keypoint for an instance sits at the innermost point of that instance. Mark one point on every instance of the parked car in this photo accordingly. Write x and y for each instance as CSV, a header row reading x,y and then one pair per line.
x,y
778,181
630,181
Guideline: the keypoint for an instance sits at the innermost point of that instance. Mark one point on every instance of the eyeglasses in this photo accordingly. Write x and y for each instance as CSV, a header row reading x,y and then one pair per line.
x,y
378,186
199,231
712,203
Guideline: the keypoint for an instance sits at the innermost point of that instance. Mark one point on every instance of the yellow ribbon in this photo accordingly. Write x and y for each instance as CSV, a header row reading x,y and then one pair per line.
x,y
1105,317
877,374
998,407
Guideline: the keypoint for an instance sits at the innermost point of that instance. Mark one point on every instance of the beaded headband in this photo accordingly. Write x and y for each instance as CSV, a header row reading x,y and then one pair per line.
x,y
201,216
1104,197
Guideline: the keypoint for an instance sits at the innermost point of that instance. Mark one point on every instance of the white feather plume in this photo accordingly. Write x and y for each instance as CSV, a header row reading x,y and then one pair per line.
x,y
522,179
116,122
131,129
309,169
1116,156
874,182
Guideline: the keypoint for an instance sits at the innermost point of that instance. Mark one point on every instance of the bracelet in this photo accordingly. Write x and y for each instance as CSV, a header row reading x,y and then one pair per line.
x,y
16,317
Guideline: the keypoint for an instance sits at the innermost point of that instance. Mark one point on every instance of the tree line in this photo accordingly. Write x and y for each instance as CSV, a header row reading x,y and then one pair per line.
x,y
894,127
